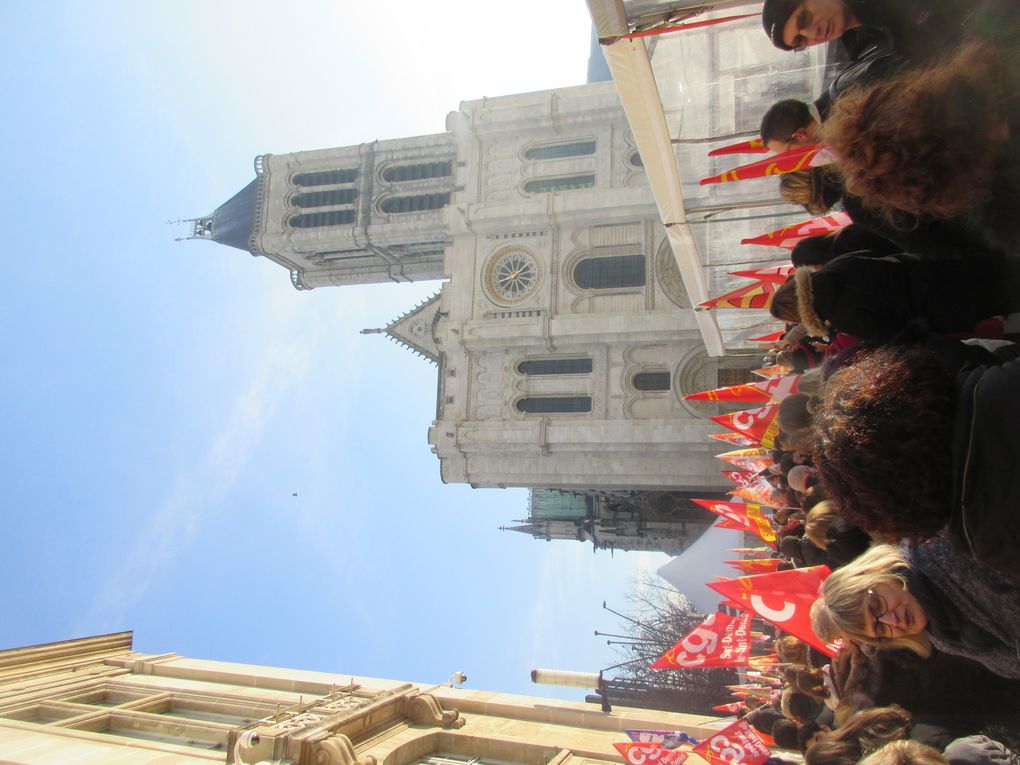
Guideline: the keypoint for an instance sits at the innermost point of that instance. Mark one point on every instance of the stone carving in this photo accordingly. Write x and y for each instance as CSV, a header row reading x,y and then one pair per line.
x,y
425,710
338,750
297,722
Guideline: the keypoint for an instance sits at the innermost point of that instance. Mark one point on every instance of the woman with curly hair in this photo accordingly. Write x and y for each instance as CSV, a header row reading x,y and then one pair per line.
x,y
909,441
923,597
938,142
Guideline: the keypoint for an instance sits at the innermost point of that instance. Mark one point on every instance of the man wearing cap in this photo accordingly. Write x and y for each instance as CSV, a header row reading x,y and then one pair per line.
x,y
912,29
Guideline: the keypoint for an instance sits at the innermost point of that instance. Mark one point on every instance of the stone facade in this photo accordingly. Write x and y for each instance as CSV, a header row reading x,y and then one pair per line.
x,y
563,336
95,701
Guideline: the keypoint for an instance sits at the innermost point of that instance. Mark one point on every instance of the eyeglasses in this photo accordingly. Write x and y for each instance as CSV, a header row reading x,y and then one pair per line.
x,y
803,21
877,608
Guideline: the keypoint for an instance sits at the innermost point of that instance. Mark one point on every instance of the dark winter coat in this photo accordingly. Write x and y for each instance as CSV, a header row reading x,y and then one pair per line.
x,y
957,692
917,30
973,611
874,299
984,522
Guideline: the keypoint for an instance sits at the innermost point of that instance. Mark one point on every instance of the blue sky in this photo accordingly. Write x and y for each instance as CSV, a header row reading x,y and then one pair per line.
x,y
162,401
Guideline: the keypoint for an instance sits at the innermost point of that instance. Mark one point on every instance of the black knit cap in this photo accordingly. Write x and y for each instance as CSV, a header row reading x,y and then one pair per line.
x,y
774,16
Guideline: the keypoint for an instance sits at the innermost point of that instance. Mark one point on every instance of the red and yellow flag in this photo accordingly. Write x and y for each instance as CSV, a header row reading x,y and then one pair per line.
x,y
788,236
773,371
772,337
759,424
750,516
777,274
732,438
774,389
719,641
799,158
737,744
783,598
756,295
756,565
742,454
754,146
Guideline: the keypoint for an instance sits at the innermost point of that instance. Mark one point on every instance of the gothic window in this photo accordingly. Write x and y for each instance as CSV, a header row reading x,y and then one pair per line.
x,y
612,272
416,203
326,198
326,177
561,150
320,219
566,183
554,404
651,381
418,172
555,367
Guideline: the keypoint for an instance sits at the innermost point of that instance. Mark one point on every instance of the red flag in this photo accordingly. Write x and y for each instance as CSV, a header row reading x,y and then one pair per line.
x,y
772,389
732,604
737,744
759,424
757,295
753,465
682,27
768,372
740,477
752,452
759,493
726,523
719,641
755,565
783,598
732,438
788,236
732,708
777,274
649,754
754,146
750,515
798,158
773,337
753,552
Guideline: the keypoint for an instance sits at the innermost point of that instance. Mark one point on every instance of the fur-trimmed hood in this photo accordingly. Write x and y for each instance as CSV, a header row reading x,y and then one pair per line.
x,y
815,324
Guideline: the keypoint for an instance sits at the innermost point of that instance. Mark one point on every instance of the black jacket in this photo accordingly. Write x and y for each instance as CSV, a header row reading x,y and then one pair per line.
x,y
984,521
917,30
874,299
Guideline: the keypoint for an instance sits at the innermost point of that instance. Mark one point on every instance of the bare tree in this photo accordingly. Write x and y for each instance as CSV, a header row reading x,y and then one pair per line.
x,y
661,615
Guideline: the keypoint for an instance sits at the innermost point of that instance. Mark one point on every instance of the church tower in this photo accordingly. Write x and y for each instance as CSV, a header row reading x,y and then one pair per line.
x,y
353,215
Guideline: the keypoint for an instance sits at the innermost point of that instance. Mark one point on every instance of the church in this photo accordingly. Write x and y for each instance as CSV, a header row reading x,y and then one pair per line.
x,y
563,333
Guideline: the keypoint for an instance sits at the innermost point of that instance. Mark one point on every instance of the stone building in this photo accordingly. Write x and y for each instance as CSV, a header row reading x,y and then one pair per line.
x,y
659,521
95,701
564,335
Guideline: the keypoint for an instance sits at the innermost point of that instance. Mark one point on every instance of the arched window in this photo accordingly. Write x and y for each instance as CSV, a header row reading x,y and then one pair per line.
x,y
555,367
419,172
635,159
325,198
612,272
319,219
554,404
561,150
417,203
649,381
326,177
567,183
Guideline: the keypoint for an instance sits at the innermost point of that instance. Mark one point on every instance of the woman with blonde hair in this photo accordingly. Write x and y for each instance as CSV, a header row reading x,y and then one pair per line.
x,y
920,597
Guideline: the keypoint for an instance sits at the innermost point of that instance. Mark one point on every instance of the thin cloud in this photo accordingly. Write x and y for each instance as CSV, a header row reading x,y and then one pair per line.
x,y
197,494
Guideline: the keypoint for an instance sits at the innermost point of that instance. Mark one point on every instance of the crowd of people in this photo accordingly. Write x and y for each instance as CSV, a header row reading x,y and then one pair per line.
x,y
898,460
